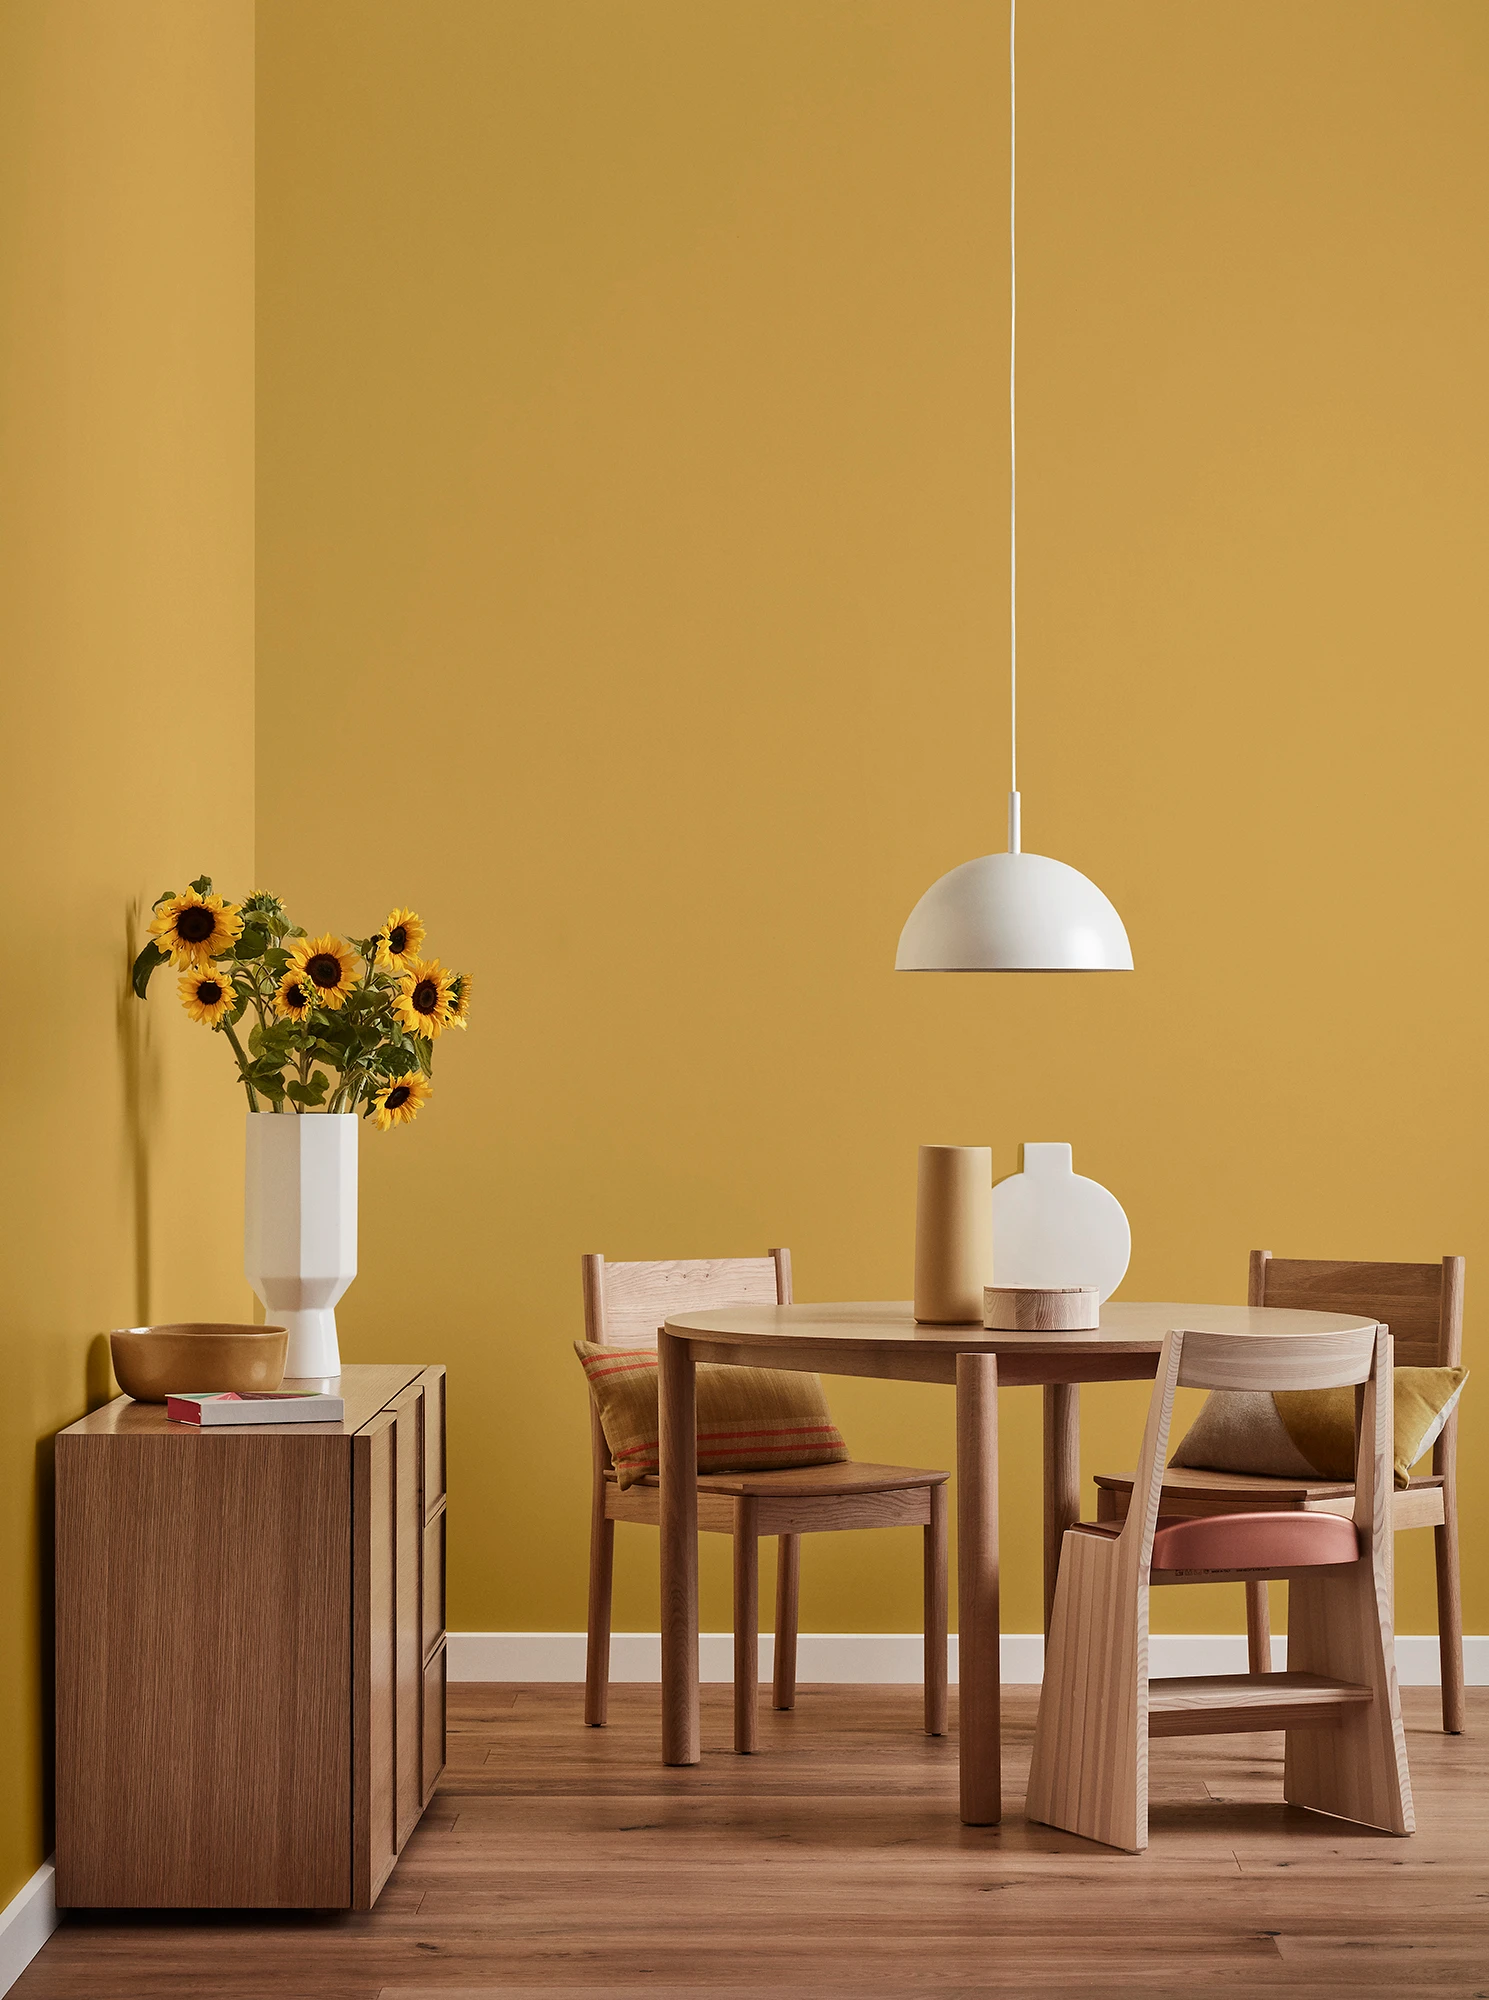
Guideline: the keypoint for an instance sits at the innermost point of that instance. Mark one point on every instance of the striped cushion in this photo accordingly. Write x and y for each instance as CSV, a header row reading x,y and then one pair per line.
x,y
749,1419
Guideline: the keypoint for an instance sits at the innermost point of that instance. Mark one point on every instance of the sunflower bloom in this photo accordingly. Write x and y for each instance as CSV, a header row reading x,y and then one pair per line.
x,y
397,1103
327,966
193,929
294,998
423,1002
207,995
400,941
460,1001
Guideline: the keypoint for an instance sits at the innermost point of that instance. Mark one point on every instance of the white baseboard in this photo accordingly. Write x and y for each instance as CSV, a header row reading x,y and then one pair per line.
x,y
887,1658
26,1922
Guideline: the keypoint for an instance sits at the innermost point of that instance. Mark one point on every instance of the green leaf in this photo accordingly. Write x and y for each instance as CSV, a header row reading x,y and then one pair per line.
x,y
145,964
203,885
252,944
239,1011
425,1050
308,1093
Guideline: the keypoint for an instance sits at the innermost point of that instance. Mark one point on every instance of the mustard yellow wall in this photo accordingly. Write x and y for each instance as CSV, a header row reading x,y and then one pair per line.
x,y
126,648
632,532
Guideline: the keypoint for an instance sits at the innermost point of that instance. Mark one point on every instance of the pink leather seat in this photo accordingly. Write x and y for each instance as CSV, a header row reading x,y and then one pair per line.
x,y
1255,1541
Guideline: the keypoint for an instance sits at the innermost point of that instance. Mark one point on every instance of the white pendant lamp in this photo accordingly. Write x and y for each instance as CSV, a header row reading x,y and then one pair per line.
x,y
1013,912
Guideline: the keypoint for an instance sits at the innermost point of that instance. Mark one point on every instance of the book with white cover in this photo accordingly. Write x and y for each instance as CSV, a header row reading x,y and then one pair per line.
x,y
264,1406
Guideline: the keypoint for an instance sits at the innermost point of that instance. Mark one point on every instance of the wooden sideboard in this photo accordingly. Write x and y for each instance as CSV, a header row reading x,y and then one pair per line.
x,y
250,1650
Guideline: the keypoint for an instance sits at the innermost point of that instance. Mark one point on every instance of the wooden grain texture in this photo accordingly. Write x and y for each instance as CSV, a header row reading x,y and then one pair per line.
x,y
746,1624
937,1612
979,1667
433,1455
788,1618
1339,1624
1024,1309
1422,1304
1230,1703
1339,1702
364,1390
677,1396
1062,1478
557,1863
203,1647
786,1503
375,1658
408,1414
638,1298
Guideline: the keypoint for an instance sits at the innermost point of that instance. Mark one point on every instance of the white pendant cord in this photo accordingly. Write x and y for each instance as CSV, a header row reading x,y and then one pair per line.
x,y
1013,463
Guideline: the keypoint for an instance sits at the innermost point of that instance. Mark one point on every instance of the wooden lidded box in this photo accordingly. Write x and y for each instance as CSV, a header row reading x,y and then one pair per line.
x,y
250,1650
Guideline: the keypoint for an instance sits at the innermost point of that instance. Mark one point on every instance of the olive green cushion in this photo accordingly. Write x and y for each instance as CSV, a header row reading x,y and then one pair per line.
x,y
1310,1433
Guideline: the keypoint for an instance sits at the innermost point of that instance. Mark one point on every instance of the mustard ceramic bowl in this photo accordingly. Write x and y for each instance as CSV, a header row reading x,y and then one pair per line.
x,y
153,1362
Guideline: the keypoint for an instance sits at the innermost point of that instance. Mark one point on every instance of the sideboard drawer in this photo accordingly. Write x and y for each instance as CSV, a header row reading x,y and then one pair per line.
x,y
434,1721
434,1582
433,1382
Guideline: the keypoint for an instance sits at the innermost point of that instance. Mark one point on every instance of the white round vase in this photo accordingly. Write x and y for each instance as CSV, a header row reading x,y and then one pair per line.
x,y
300,1228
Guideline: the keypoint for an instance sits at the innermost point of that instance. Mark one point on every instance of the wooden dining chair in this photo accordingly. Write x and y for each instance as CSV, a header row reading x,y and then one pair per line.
x,y
1338,1702
1422,1304
624,1306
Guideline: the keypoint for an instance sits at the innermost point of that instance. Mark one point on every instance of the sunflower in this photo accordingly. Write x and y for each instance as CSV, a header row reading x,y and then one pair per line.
x,y
397,1103
460,1001
294,998
207,995
423,1003
193,930
327,966
399,940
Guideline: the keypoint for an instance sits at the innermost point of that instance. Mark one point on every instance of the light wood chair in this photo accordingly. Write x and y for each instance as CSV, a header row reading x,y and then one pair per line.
x,y
1422,1305
624,1305
1338,1702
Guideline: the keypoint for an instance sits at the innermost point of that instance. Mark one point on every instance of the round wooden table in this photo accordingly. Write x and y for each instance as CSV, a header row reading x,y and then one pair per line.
x,y
885,1341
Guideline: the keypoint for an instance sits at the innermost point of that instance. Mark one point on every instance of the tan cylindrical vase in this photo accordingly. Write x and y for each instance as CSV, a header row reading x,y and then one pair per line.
x,y
953,1234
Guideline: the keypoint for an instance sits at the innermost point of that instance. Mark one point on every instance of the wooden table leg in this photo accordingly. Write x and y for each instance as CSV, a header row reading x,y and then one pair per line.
x,y
676,1389
1062,1478
979,1692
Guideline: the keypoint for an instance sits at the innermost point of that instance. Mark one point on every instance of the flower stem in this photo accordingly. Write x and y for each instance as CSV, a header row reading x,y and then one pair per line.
x,y
253,1103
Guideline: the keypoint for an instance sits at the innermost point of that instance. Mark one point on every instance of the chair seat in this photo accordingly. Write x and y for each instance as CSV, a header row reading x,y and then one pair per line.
x,y
1254,1541
1190,1490
819,1481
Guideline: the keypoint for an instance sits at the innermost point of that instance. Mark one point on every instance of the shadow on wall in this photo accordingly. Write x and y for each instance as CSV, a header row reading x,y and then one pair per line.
x,y
139,1074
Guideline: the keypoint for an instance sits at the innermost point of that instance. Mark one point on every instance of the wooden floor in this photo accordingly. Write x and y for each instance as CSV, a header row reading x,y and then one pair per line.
x,y
557,1861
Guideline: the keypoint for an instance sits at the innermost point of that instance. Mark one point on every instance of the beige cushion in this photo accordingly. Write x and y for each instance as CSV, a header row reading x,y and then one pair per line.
x,y
1310,1433
749,1419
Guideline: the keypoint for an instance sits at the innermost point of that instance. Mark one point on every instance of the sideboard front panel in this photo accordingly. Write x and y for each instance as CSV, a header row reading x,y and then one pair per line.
x,y
203,1671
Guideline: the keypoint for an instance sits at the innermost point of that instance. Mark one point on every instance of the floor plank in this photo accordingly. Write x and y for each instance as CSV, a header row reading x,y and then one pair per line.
x,y
559,1863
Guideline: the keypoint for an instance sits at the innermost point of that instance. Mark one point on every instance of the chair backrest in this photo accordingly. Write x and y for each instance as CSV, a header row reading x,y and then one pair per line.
x,y
1261,1362
625,1304
1422,1304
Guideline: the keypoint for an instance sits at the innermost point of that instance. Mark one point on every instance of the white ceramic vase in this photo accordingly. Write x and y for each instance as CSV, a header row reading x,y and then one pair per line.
x,y
300,1228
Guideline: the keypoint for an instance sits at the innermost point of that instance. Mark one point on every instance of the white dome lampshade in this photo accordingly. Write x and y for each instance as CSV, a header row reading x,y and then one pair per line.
x,y
1013,913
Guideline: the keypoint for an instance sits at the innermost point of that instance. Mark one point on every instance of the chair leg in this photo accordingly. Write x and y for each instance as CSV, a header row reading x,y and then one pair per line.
x,y
937,1601
1089,1771
746,1624
1340,1626
1450,1612
1258,1629
788,1582
597,1647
